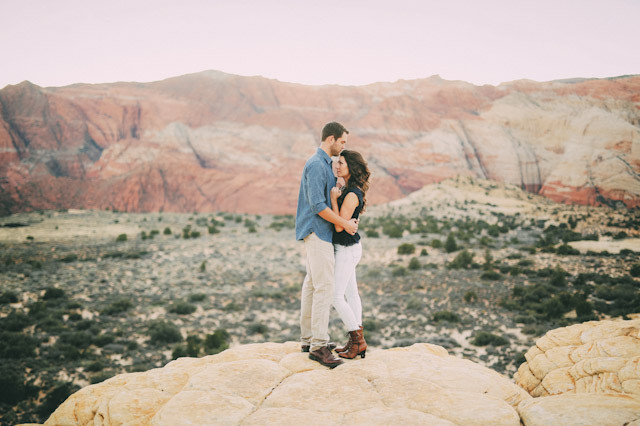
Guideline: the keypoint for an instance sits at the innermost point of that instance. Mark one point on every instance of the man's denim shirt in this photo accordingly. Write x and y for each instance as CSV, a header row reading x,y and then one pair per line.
x,y
315,196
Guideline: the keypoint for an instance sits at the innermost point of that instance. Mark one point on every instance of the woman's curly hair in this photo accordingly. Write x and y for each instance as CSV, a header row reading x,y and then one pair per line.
x,y
360,174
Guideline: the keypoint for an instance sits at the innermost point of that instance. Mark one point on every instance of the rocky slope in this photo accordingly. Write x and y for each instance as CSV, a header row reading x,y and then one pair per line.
x,y
214,141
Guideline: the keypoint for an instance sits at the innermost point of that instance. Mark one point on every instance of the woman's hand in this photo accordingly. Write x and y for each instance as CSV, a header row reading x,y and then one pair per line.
x,y
335,193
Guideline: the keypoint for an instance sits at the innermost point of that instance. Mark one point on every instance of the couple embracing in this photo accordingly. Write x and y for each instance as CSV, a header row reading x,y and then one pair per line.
x,y
327,222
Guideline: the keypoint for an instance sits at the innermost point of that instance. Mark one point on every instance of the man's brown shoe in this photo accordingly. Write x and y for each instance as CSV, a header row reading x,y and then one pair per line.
x,y
305,348
325,357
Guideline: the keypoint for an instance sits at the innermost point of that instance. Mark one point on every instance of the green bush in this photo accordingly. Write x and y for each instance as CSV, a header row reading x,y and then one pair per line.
x,y
446,316
164,332
71,257
13,387
566,249
558,277
372,233
463,260
53,293
490,275
8,297
635,270
257,328
216,342
56,396
167,231
101,377
15,321
104,339
470,296
95,366
16,345
484,338
197,297
450,245
393,231
414,264
121,238
436,243
406,248
424,252
118,307
182,308
399,271
414,304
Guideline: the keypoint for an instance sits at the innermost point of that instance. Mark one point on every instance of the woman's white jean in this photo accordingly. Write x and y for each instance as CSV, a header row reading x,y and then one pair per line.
x,y
346,286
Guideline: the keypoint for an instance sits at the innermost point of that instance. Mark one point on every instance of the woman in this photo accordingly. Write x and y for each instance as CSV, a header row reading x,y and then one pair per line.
x,y
349,203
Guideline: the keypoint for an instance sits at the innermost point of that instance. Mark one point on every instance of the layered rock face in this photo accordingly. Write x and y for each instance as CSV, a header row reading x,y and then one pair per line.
x,y
584,374
274,383
213,141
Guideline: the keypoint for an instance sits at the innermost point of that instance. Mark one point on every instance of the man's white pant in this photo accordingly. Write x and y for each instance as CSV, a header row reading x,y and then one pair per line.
x,y
350,311
317,292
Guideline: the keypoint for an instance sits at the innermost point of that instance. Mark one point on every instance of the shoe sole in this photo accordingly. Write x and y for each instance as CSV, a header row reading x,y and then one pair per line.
x,y
332,366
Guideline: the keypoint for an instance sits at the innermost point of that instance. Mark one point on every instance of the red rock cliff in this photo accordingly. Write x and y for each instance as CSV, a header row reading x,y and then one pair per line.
x,y
214,141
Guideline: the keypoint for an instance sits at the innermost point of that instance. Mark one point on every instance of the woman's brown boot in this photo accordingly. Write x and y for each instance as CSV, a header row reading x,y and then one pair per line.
x,y
347,345
358,345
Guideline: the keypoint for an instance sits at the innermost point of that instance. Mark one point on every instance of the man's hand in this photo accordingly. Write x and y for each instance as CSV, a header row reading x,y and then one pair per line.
x,y
352,226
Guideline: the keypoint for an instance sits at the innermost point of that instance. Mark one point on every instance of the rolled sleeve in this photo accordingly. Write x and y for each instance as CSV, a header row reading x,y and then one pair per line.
x,y
316,190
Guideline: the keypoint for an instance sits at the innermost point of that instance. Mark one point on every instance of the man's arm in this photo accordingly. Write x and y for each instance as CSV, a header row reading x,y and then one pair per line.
x,y
351,226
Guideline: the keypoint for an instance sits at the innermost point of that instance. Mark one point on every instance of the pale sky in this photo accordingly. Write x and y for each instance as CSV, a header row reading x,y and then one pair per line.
x,y
61,42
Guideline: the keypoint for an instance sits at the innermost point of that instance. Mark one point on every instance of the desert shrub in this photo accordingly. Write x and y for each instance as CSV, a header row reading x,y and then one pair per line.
x,y
424,252
167,231
13,388
53,293
399,271
494,231
463,260
216,342
484,338
71,257
118,307
446,316
470,296
372,233
197,297
525,263
121,238
371,325
584,310
8,297
194,234
182,308
15,321
635,270
558,277
435,243
525,319
414,304
450,245
566,249
414,264
620,235
490,275
532,330
101,377
392,230
54,397
16,345
203,266
164,332
104,339
95,366
406,248
257,328
213,230
553,308
79,339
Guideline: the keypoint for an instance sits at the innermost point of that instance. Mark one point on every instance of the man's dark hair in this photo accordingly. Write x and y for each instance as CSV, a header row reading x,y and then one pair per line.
x,y
334,129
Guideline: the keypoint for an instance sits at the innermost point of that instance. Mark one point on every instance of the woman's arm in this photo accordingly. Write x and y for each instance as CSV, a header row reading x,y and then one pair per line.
x,y
349,205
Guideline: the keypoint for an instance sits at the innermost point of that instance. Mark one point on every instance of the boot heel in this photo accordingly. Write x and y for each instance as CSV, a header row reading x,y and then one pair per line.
x,y
362,353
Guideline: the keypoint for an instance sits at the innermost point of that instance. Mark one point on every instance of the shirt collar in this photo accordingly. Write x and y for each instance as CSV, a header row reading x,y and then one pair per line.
x,y
324,155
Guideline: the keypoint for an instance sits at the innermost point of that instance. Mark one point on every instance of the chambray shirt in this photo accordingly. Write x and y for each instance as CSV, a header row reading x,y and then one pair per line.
x,y
315,196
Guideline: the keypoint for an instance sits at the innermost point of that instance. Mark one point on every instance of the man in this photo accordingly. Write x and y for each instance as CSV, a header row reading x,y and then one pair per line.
x,y
314,225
